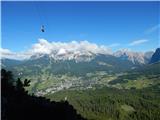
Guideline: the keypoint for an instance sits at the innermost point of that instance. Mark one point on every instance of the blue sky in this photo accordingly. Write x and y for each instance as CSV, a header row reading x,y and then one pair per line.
x,y
133,25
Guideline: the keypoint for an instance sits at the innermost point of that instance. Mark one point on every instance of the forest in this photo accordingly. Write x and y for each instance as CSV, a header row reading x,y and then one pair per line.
x,y
17,104
114,104
102,103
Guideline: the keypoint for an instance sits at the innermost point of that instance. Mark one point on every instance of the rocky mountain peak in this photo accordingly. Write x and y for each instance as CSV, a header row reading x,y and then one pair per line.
x,y
156,56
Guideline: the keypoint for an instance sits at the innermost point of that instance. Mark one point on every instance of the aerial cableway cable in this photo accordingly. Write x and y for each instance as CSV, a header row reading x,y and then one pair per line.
x,y
40,15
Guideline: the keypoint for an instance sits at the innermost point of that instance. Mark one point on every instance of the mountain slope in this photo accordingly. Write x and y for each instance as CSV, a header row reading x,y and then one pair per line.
x,y
156,56
17,104
46,63
8,63
148,75
113,104
49,74
134,57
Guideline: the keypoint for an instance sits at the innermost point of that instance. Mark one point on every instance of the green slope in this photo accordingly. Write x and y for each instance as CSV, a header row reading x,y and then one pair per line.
x,y
114,104
145,76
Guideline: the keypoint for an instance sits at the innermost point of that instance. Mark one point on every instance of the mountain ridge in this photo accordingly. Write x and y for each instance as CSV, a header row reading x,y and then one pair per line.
x,y
86,56
156,56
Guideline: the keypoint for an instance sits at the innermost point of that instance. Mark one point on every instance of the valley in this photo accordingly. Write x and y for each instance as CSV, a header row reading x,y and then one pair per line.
x,y
103,88
80,60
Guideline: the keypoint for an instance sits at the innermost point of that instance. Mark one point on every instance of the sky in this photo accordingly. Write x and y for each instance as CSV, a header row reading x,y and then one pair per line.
x,y
117,25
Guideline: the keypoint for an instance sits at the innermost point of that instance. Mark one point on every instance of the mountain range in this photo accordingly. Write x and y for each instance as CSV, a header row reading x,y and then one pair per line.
x,y
62,69
87,56
61,62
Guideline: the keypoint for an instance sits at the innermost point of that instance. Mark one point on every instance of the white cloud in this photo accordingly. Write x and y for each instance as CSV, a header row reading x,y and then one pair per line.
x,y
43,46
5,53
152,29
138,42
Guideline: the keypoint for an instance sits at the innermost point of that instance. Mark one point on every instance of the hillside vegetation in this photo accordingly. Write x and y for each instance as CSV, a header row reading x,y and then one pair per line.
x,y
114,104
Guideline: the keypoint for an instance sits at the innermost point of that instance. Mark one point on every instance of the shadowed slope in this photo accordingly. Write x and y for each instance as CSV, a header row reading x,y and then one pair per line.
x,y
18,105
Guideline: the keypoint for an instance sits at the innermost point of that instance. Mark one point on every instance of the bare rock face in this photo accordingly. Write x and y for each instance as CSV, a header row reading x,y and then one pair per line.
x,y
134,57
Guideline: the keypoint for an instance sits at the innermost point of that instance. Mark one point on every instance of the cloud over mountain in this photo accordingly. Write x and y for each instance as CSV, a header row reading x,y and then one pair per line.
x,y
72,50
5,53
45,47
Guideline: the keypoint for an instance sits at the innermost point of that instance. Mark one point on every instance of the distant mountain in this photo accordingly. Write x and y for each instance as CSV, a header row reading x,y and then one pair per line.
x,y
39,63
84,54
134,57
148,55
66,55
8,63
78,62
156,56
49,73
